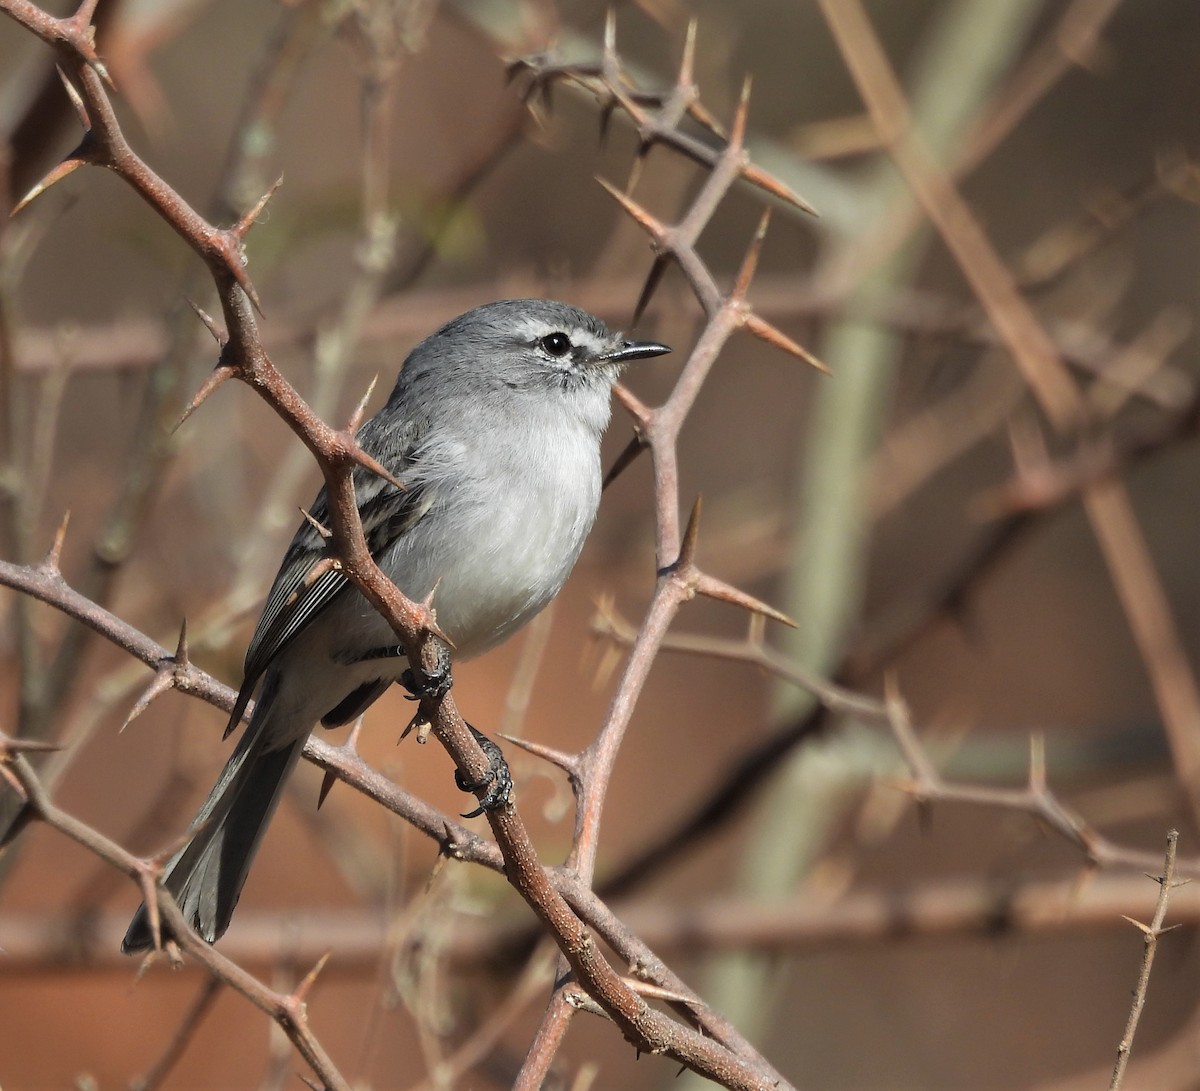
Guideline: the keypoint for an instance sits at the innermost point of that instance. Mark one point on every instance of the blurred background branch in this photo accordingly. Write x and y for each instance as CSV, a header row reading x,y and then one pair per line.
x,y
916,511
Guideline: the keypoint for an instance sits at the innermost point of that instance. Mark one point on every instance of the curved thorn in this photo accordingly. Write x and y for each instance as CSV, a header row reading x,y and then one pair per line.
x,y
56,174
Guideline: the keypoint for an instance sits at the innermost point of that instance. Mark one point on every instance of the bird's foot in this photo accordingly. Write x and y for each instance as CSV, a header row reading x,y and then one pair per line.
x,y
432,683
498,781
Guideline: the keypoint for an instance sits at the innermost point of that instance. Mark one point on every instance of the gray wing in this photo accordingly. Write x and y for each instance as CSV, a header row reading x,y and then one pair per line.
x,y
304,586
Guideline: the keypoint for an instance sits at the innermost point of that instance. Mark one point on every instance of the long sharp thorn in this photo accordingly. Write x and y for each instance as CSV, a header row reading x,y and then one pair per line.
x,y
31,746
323,532
766,332
251,217
770,184
1037,762
687,63
639,214
357,416
750,261
54,553
687,548
699,114
220,374
181,646
68,166
83,22
77,103
327,783
429,621
238,271
653,278
159,685
737,132
723,592
564,761
624,460
208,322
300,993
14,782
376,467
635,168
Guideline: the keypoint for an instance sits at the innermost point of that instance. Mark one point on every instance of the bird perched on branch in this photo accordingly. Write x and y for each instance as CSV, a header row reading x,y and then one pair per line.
x,y
493,428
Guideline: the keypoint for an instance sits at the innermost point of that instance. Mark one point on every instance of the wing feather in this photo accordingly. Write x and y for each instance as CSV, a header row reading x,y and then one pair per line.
x,y
305,586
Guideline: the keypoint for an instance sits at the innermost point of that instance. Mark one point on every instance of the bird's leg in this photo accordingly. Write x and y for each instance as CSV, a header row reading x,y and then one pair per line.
x,y
432,682
498,781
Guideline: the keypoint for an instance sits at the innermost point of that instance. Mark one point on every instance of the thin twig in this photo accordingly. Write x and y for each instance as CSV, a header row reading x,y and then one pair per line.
x,y
1150,935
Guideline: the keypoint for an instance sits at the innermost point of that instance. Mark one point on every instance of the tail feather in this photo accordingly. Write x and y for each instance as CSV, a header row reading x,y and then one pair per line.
x,y
206,876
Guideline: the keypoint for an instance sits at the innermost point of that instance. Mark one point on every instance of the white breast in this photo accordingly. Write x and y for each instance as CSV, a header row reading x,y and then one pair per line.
x,y
502,537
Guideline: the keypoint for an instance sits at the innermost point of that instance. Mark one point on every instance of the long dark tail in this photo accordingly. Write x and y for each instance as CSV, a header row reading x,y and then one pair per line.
x,y
206,876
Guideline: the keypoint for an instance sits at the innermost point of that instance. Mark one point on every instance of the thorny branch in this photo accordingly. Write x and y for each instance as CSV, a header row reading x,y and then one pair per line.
x,y
926,784
242,356
1055,390
562,897
458,842
288,1011
1151,933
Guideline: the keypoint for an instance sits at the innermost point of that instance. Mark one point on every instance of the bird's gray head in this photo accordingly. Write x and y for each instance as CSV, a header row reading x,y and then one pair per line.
x,y
526,344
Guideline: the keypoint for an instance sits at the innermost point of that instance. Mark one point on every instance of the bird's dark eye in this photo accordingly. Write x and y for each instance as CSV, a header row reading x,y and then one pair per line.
x,y
557,344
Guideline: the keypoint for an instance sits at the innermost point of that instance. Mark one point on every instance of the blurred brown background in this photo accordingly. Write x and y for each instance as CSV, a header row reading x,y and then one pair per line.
x,y
1088,201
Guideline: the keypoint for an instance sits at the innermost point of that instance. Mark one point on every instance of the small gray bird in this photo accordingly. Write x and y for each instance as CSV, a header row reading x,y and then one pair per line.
x,y
494,429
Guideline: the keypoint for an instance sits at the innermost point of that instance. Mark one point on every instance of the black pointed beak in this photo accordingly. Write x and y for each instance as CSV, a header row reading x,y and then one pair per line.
x,y
634,350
